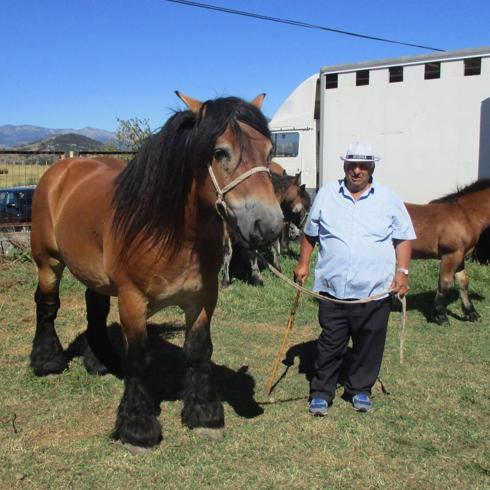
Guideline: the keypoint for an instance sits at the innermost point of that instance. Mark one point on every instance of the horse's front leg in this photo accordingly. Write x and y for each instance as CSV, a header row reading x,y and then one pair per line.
x,y
227,255
136,423
255,275
276,252
469,310
202,408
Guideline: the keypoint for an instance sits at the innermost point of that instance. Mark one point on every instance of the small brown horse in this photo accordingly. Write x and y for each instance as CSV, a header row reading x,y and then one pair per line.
x,y
151,234
295,203
449,228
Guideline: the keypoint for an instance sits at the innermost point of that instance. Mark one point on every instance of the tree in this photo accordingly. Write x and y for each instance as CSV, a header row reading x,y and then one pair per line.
x,y
132,132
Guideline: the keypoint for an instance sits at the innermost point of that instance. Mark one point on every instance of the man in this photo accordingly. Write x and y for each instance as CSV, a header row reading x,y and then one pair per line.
x,y
364,232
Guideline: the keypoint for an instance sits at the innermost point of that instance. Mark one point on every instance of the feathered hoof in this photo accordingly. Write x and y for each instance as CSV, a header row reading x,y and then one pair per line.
x,y
142,431
55,365
93,365
442,320
473,316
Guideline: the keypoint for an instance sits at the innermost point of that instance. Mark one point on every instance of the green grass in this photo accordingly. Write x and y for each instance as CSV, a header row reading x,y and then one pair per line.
x,y
432,431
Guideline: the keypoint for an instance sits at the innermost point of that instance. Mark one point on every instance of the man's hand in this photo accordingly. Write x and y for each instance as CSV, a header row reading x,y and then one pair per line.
x,y
302,270
301,273
399,284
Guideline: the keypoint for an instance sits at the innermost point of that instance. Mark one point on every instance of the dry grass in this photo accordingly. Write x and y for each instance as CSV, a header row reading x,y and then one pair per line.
x,y
430,432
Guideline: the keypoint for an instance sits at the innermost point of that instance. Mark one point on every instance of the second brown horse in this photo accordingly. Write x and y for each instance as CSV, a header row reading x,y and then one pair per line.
x,y
448,229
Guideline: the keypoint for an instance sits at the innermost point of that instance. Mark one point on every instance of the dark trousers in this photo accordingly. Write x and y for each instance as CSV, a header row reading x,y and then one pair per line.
x,y
366,324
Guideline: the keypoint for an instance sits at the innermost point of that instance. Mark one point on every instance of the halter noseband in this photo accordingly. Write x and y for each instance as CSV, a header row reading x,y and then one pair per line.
x,y
220,203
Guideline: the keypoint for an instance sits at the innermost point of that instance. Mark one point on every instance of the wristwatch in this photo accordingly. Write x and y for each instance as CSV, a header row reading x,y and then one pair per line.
x,y
401,269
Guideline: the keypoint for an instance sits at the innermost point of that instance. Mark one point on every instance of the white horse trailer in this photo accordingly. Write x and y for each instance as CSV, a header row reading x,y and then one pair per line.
x,y
427,118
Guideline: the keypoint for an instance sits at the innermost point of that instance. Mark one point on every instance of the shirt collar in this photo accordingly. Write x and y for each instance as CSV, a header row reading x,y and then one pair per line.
x,y
345,192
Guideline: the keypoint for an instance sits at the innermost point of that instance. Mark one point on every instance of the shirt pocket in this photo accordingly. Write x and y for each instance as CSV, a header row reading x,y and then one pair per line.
x,y
377,227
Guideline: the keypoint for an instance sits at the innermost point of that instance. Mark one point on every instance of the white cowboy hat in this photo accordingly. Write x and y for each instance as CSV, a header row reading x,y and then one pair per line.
x,y
359,152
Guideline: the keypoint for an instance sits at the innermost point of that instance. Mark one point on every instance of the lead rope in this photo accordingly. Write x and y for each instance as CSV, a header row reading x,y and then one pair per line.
x,y
300,289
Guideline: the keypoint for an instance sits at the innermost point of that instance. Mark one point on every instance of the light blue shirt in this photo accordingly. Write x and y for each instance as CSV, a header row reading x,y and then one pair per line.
x,y
357,254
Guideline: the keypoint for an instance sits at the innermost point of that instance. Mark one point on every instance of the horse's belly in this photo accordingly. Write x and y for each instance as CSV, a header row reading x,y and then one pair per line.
x,y
84,258
185,289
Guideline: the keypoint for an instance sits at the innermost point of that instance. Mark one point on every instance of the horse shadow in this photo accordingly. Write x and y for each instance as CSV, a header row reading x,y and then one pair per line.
x,y
424,304
167,367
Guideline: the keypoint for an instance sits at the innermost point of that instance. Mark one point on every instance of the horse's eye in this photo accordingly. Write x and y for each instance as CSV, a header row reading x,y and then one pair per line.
x,y
221,154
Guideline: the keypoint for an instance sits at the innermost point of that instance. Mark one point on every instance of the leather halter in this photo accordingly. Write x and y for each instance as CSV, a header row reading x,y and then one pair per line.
x,y
220,203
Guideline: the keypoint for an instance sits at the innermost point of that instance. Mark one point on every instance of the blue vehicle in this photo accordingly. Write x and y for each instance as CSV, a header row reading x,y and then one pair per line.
x,y
16,204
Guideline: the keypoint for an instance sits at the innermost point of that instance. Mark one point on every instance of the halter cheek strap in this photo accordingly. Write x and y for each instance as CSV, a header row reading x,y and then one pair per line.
x,y
220,203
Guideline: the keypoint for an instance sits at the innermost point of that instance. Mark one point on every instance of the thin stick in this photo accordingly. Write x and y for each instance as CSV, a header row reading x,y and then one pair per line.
x,y
280,352
402,331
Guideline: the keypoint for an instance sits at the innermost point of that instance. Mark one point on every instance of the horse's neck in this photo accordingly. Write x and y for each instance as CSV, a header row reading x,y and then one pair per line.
x,y
280,195
477,208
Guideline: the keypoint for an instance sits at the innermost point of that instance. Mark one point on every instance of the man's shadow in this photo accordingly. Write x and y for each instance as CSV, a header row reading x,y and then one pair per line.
x,y
167,367
306,353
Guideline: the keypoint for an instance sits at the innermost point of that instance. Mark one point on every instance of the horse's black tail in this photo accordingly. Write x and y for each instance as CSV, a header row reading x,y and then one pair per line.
x,y
98,306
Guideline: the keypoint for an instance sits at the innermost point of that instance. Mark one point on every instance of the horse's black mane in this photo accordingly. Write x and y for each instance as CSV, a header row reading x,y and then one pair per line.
x,y
151,193
476,186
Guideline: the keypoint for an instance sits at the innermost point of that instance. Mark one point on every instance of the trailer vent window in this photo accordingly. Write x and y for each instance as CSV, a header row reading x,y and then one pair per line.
x,y
432,70
285,144
472,66
396,74
331,80
362,77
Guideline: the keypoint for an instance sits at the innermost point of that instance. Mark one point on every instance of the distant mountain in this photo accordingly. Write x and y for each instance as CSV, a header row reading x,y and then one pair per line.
x,y
12,136
64,142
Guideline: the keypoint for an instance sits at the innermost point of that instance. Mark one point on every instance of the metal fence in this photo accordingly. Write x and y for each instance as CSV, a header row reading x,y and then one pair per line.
x,y
20,172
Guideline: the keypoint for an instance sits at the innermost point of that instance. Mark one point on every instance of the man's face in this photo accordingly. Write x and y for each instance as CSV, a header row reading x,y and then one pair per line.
x,y
358,175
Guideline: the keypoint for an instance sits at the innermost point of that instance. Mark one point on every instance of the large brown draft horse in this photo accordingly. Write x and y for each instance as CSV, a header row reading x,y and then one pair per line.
x,y
151,234
449,228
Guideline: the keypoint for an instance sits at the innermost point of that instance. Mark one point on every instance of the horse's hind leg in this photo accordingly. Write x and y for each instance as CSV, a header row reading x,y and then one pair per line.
x,y
468,309
136,423
202,408
47,356
99,356
449,264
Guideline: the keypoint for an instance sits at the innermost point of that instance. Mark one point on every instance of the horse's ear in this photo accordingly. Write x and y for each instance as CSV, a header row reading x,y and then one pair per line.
x,y
257,102
297,178
193,105
302,187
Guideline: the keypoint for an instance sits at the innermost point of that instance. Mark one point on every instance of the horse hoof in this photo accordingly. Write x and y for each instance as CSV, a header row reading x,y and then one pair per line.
x,y
257,281
214,434
473,316
54,366
442,320
136,450
93,365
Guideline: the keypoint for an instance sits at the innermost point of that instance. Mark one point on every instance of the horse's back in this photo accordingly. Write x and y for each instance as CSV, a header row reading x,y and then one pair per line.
x,y
441,228
71,215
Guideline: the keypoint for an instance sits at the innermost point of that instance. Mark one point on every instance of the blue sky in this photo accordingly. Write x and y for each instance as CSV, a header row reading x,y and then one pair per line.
x,y
77,63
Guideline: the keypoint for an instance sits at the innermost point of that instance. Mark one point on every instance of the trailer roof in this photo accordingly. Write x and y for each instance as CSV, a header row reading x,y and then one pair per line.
x,y
409,60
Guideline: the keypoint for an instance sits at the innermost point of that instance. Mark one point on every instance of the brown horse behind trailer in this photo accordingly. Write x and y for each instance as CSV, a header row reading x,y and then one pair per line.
x,y
150,234
449,228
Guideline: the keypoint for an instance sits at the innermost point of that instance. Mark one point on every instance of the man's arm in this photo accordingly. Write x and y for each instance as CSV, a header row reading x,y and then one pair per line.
x,y
403,252
302,270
